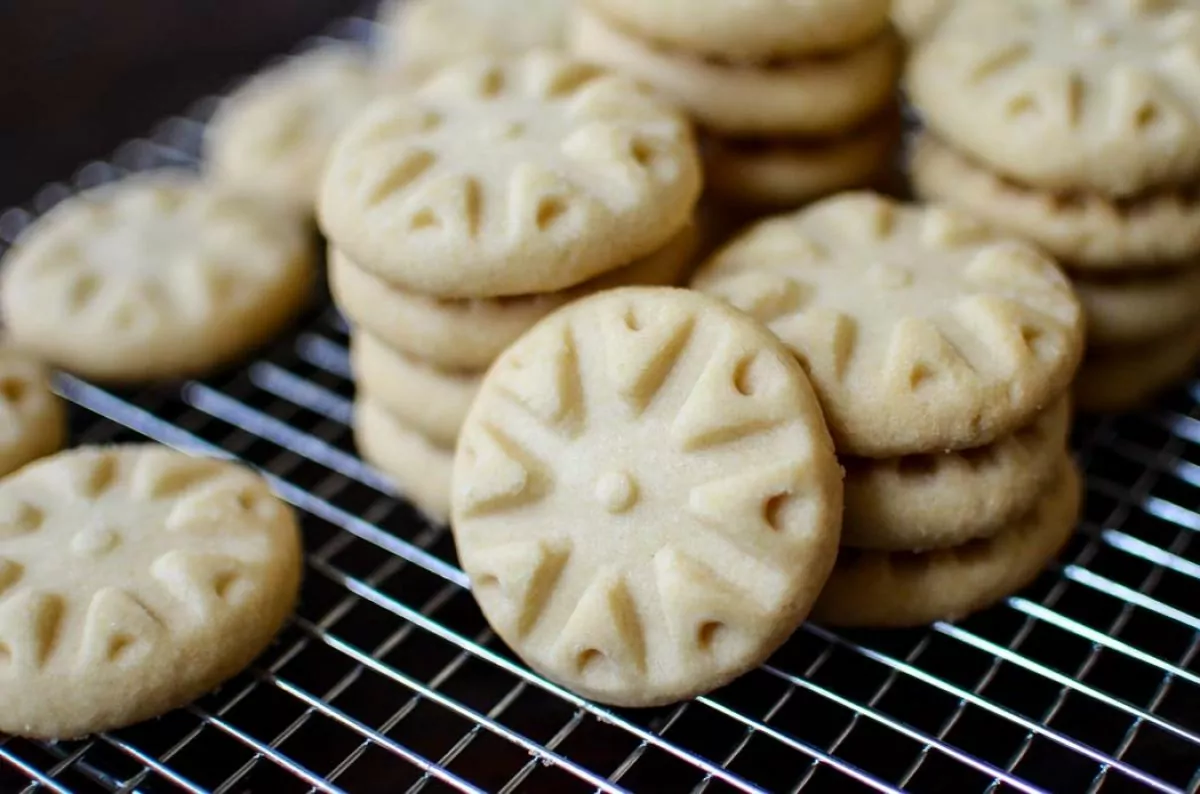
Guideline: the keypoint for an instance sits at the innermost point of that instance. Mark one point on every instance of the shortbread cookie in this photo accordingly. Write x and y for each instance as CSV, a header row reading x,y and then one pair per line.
x,y
754,30
892,590
33,420
1126,378
421,36
432,401
1098,95
134,579
646,498
940,500
1140,308
510,176
916,19
920,329
418,468
1085,230
469,333
823,96
273,135
783,173
157,276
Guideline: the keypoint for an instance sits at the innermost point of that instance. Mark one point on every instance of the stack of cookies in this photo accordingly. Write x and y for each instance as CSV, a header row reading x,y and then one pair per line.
x,y
797,99
1076,125
462,213
942,355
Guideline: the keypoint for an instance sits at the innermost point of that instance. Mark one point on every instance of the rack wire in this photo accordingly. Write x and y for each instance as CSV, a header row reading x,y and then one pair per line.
x,y
388,678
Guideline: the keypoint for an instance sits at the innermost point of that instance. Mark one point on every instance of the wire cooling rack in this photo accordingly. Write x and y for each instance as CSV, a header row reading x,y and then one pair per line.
x,y
388,680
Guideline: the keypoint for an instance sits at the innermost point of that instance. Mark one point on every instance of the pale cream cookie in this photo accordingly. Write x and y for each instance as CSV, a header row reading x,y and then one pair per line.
x,y
508,177
419,468
157,276
273,134
134,579
916,19
1076,95
892,590
431,400
939,500
33,420
1127,378
646,498
820,96
921,329
751,30
1139,308
468,334
1083,229
785,173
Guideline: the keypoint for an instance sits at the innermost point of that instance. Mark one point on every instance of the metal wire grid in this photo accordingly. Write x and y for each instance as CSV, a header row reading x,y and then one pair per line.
x,y
388,679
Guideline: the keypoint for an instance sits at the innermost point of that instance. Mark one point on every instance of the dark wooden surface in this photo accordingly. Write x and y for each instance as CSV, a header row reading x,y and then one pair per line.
x,y
79,76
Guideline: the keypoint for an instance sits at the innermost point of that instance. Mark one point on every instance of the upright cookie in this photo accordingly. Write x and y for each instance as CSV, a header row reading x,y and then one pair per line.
x,y
157,276
469,333
133,580
273,135
33,421
920,329
510,176
1096,95
418,468
822,96
750,30
645,496
881,590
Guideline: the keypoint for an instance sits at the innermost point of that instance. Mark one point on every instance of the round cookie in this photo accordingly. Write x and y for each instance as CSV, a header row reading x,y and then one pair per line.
x,y
418,468
510,176
940,500
421,36
916,19
818,97
784,173
157,276
468,334
1139,309
33,420
750,30
432,401
1091,95
895,590
134,579
1086,230
1124,379
273,135
920,329
646,498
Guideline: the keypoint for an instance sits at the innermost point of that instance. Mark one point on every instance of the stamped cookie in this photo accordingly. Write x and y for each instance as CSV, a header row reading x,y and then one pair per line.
x,y
919,328
1126,378
469,333
916,19
823,96
510,176
418,468
1097,95
892,590
33,420
432,401
273,135
134,579
1086,230
645,496
1140,309
751,30
157,276
422,36
782,173
940,500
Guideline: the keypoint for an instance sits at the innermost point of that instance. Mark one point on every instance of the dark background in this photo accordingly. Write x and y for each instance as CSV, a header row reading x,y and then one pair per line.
x,y
77,77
